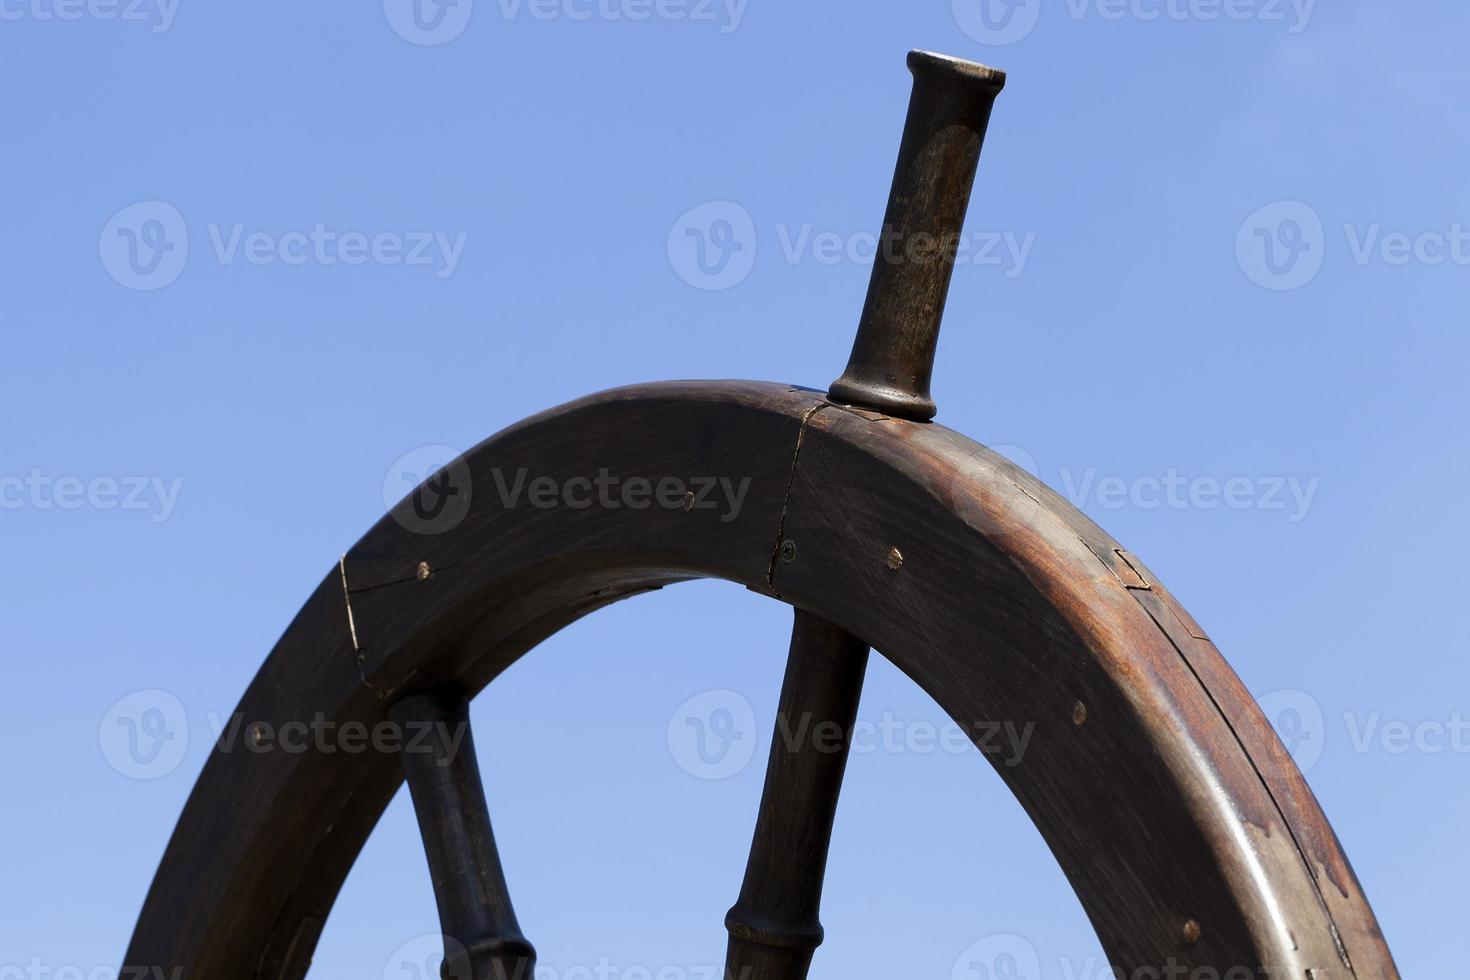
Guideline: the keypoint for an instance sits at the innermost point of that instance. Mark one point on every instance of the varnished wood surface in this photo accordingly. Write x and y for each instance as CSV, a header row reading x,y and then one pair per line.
x,y
775,924
1166,798
443,772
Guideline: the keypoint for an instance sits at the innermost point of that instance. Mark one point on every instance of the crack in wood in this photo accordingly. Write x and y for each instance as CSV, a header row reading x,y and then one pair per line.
x,y
786,498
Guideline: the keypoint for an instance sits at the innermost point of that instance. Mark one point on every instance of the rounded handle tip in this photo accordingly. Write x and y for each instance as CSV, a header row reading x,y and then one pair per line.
x,y
932,63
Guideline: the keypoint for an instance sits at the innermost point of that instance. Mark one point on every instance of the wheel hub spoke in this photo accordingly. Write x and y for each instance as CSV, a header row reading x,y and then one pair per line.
x,y
483,941
774,925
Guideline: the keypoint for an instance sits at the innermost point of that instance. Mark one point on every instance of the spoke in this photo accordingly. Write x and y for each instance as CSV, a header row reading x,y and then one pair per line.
x,y
482,938
774,926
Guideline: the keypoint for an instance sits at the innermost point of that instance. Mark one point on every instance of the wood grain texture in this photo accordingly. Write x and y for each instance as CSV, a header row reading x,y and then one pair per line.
x,y
775,924
483,939
1170,802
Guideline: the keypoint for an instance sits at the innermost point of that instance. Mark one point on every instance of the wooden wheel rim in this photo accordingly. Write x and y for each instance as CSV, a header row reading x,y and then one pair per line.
x,y
1188,834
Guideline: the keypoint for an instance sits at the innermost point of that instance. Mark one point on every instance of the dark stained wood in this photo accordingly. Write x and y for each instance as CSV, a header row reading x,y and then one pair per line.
x,y
483,939
774,925
893,356
1171,807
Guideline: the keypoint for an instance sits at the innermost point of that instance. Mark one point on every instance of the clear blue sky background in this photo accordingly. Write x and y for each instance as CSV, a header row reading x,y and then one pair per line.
x,y
1147,333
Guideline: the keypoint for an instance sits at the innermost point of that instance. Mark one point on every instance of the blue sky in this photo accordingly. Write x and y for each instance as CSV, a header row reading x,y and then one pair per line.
x,y
256,256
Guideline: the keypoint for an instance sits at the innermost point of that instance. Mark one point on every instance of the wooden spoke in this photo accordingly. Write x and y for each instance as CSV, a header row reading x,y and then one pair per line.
x,y
482,938
774,926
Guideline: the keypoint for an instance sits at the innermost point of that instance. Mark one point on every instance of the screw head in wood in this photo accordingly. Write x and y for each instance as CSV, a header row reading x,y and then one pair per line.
x,y
1191,932
895,559
424,571
788,551
1079,713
